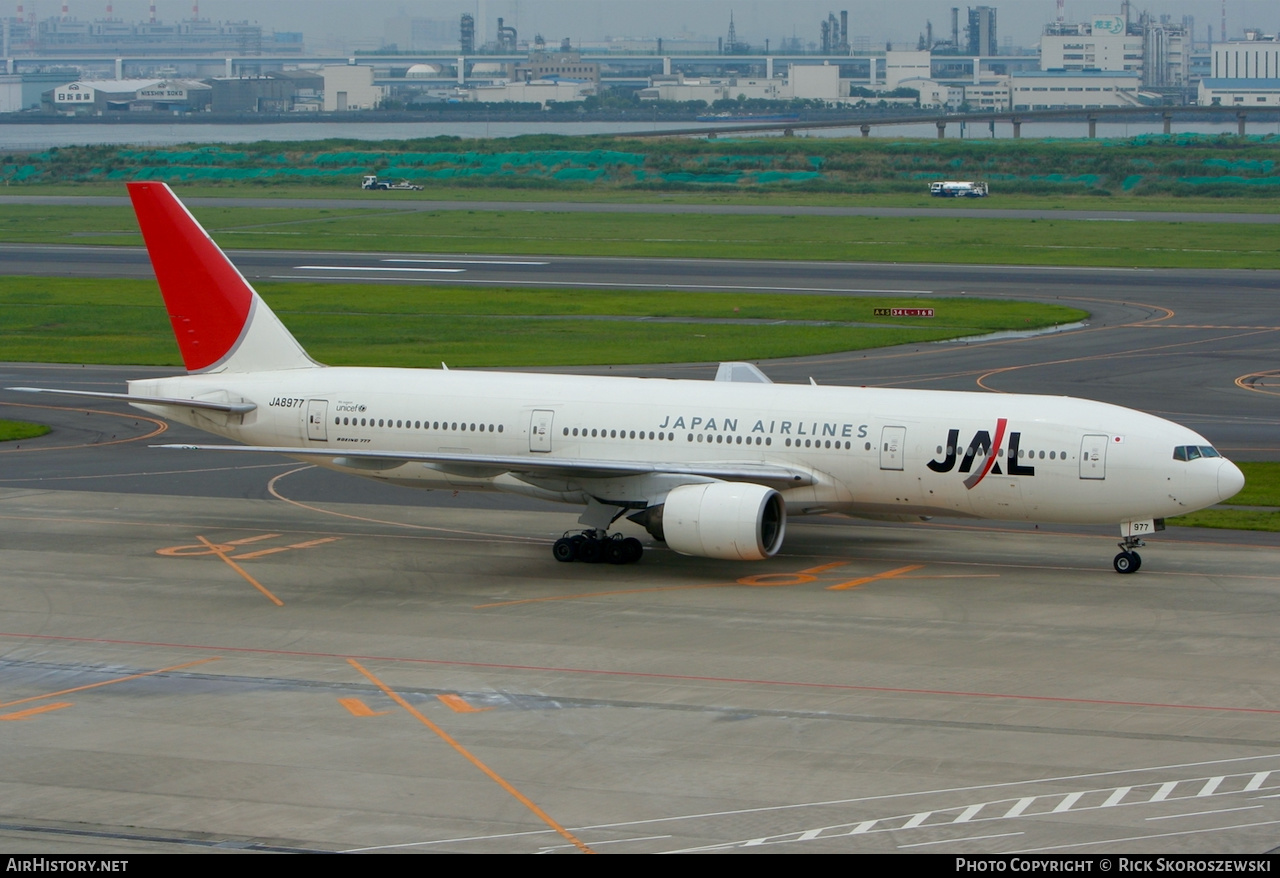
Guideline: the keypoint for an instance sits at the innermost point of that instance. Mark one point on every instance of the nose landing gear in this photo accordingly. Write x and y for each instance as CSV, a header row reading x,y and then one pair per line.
x,y
1128,561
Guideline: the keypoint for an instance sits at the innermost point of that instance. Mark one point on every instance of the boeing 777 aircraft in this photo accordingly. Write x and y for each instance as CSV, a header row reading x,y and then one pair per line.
x,y
712,468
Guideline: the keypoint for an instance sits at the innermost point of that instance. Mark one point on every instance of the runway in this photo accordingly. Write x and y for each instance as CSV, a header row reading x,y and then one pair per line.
x,y
213,653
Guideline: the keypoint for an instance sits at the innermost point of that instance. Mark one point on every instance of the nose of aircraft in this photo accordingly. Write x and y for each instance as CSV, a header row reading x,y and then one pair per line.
x,y
1230,480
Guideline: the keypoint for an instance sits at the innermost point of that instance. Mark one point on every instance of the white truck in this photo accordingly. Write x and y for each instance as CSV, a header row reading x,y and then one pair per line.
x,y
958,189
371,181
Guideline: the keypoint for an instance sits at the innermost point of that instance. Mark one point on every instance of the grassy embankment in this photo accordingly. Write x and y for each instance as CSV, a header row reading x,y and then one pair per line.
x,y
531,232
1260,500
124,322
1001,200
1198,167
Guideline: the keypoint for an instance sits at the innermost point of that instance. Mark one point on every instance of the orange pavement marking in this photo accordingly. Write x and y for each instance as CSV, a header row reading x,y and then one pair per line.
x,y
458,704
177,551
221,553
32,711
888,574
493,775
598,594
307,545
358,708
109,682
161,426
760,579
271,488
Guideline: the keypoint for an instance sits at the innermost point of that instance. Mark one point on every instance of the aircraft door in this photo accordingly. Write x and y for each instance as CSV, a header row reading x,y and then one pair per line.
x,y
317,415
893,441
540,430
1093,456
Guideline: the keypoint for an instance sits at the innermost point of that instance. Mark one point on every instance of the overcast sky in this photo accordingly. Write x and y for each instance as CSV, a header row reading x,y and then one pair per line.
x,y
333,22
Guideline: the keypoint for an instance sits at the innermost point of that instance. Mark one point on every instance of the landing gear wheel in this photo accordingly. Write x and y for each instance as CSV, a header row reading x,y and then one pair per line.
x,y
632,550
564,550
1126,562
591,551
614,552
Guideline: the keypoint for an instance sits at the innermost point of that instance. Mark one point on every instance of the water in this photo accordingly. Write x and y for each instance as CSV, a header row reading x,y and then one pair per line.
x,y
38,136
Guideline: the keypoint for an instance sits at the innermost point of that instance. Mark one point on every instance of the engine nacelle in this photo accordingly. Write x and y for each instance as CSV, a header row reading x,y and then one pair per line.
x,y
731,520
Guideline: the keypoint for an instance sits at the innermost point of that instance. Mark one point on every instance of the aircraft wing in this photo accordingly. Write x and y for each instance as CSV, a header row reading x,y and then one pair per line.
x,y
488,465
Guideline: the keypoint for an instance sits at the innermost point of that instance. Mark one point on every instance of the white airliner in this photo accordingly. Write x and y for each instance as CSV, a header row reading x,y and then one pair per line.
x,y
713,468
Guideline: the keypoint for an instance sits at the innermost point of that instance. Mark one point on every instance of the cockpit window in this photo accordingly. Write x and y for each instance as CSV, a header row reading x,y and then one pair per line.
x,y
1194,452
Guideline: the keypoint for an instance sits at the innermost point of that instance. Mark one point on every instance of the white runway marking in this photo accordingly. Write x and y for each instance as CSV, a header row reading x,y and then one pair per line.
x,y
375,268
465,262
634,285
1205,813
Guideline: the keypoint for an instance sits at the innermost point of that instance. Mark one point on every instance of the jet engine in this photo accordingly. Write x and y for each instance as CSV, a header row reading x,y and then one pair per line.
x,y
734,521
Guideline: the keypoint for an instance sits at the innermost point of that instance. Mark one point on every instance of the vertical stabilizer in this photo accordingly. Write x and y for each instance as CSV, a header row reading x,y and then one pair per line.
x,y
221,323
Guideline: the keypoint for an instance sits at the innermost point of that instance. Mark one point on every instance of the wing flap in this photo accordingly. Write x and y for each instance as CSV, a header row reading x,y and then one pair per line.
x,y
471,464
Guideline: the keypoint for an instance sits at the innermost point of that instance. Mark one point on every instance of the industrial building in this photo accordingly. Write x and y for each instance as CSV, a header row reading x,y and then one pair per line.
x,y
278,92
565,64
804,81
132,95
1086,89
1255,57
350,87
69,36
538,91
1242,93
982,30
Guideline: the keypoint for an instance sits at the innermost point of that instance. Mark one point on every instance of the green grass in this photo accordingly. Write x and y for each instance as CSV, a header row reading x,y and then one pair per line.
x,y
11,430
773,198
852,239
1261,489
124,322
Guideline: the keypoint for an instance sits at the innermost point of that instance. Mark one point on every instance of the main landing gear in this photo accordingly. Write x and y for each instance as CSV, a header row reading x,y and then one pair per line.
x,y
1128,561
594,547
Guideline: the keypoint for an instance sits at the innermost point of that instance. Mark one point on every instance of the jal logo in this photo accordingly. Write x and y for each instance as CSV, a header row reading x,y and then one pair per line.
x,y
979,450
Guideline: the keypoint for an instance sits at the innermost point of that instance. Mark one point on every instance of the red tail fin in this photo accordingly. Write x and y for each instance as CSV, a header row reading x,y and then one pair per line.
x,y
211,305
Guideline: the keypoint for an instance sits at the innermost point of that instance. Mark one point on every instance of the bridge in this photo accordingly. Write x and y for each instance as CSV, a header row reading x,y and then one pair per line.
x,y
1014,117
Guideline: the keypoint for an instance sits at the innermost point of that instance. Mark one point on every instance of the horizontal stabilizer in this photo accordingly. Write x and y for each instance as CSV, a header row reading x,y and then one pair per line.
x,y
741,373
231,408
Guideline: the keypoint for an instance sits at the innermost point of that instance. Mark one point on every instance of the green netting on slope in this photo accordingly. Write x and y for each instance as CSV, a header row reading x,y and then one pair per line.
x,y
1260,166
487,161
786,176
1235,181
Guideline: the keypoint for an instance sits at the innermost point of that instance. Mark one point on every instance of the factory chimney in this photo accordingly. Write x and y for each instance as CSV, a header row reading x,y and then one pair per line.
x,y
153,11
844,30
955,27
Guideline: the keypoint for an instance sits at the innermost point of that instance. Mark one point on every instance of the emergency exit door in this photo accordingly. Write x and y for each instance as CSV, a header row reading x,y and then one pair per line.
x,y
1093,456
317,415
540,430
893,442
